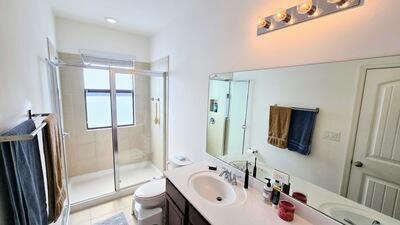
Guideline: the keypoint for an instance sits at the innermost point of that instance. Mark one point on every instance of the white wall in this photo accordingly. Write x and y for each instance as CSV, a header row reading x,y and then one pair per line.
x,y
73,36
220,36
24,82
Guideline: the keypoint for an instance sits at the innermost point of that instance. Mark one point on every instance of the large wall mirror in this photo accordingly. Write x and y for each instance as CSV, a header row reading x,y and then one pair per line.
x,y
334,128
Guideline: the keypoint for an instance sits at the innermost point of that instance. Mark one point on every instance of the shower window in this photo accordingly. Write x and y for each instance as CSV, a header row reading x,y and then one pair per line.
x,y
98,99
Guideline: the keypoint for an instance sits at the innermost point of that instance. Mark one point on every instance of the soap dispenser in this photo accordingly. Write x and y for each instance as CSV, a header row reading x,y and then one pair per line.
x,y
268,192
246,176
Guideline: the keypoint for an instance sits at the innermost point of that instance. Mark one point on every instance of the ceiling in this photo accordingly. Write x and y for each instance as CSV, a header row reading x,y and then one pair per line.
x,y
144,17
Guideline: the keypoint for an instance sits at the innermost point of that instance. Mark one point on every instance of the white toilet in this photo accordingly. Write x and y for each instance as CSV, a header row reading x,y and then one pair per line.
x,y
148,199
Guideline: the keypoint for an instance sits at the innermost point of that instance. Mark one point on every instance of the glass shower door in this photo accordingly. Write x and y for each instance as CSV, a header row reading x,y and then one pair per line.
x,y
137,115
236,123
86,110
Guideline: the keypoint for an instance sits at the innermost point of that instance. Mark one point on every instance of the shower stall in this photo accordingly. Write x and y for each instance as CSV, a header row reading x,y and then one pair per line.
x,y
227,116
113,119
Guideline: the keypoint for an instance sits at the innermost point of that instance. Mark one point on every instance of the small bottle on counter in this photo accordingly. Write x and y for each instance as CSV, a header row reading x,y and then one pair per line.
x,y
276,193
268,192
286,188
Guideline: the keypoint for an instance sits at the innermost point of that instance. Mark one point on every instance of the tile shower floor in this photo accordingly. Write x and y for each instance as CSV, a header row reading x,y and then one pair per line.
x,y
92,185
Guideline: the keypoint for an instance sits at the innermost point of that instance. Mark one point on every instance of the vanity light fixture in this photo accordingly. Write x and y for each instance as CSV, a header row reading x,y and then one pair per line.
x,y
306,10
282,15
307,7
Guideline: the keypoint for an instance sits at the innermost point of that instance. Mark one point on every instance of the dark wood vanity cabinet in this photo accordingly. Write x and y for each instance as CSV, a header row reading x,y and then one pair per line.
x,y
179,211
173,215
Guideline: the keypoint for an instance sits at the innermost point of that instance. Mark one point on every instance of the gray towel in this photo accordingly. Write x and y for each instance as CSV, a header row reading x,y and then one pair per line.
x,y
21,165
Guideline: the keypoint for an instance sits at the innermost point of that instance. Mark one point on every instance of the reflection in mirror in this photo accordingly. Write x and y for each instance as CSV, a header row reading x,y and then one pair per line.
x,y
348,164
227,115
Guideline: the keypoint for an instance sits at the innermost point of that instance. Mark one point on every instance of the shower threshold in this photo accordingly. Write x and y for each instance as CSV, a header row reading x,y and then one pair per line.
x,y
91,186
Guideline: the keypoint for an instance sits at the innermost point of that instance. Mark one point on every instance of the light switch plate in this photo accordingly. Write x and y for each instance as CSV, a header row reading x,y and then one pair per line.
x,y
332,136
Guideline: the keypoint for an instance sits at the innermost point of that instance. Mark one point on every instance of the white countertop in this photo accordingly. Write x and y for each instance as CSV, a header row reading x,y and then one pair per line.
x,y
318,197
253,211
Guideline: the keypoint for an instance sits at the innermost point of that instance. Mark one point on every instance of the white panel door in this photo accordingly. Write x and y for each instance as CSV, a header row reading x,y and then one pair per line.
x,y
375,174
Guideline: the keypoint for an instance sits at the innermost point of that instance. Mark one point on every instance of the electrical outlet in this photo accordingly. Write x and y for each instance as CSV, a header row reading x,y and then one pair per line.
x,y
332,136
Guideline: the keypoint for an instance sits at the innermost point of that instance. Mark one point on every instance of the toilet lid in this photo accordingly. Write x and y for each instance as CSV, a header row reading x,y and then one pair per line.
x,y
151,189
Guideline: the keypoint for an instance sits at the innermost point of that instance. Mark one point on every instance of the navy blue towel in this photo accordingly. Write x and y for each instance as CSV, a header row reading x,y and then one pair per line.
x,y
301,130
21,166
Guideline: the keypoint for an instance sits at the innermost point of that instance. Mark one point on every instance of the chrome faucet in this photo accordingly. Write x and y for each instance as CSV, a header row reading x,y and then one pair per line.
x,y
234,181
227,173
231,178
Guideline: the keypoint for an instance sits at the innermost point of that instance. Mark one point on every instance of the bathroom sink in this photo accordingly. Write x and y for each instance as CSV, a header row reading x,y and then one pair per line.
x,y
347,214
215,190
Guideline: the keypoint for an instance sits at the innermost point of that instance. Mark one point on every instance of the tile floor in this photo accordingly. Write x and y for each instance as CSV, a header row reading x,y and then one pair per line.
x,y
101,212
92,185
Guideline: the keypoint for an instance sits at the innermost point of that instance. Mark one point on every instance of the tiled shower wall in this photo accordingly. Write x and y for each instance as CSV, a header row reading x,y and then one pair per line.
x,y
91,150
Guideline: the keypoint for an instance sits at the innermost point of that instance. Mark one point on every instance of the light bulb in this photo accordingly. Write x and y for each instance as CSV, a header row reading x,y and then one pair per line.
x,y
282,15
307,7
338,2
262,23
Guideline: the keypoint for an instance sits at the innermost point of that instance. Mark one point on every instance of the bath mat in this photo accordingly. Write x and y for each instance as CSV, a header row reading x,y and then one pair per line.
x,y
118,219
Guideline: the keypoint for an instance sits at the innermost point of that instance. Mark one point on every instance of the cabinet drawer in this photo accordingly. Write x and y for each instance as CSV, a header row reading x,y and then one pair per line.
x,y
176,196
195,218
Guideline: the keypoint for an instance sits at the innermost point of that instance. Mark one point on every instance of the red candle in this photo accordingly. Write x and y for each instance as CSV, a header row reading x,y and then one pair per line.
x,y
286,211
300,196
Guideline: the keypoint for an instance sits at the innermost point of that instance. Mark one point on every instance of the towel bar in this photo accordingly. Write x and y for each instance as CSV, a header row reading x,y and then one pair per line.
x,y
26,137
304,109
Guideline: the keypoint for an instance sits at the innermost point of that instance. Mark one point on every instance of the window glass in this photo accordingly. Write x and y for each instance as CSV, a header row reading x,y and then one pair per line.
x,y
98,109
123,81
98,98
96,79
124,108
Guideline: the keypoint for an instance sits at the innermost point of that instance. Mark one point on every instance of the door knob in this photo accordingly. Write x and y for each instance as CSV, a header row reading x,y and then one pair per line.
x,y
212,121
358,164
